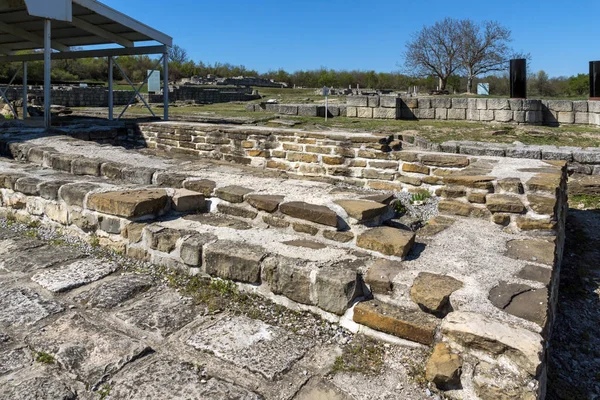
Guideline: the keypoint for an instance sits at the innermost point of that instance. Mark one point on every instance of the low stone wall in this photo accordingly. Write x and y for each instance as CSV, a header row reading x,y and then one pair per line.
x,y
303,110
73,96
535,112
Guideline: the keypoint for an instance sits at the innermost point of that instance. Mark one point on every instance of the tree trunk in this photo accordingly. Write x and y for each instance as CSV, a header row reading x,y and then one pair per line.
x,y
469,84
443,82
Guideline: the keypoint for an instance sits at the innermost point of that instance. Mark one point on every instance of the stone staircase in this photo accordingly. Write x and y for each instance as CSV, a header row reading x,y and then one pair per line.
x,y
337,251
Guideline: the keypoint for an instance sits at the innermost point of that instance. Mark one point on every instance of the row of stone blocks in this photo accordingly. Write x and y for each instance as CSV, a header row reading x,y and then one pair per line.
x,y
303,110
550,112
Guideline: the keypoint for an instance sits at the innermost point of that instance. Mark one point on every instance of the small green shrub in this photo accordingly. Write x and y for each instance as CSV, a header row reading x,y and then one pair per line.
x,y
44,358
420,197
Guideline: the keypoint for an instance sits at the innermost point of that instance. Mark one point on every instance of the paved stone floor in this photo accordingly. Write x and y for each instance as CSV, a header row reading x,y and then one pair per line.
x,y
80,323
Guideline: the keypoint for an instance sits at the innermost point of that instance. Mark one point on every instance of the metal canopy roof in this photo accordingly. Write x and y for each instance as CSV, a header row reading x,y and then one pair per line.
x,y
89,23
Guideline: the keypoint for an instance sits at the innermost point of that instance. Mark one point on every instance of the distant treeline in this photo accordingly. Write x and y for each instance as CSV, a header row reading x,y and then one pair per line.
x,y
96,70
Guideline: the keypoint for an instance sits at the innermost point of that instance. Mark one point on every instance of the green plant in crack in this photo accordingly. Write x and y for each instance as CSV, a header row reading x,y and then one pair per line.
x,y
43,357
104,391
420,197
362,355
399,208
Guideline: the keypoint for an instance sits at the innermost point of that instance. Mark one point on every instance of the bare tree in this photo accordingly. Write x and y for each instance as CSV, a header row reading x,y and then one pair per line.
x,y
434,51
483,49
178,54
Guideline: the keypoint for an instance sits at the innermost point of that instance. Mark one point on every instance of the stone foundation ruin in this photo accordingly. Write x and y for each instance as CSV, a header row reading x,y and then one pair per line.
x,y
458,252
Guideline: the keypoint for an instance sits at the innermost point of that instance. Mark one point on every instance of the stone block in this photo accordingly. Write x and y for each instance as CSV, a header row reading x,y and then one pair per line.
x,y
139,175
498,104
232,193
337,286
204,186
582,118
443,367
532,105
580,106
287,109
387,240
373,101
482,104
109,224
560,105
86,166
308,110
566,117
310,212
49,189
473,114
380,276
236,211
486,115
384,113
268,203
161,238
112,170
129,204
364,112
516,104
425,113
184,200
460,103
62,162
362,210
457,113
351,112
531,152
237,261
169,179
534,117
74,194
409,324
389,101
290,277
441,113
445,161
586,156
594,106
28,186
441,102
424,103
502,203
432,292
503,116
519,116
57,213
357,101
192,246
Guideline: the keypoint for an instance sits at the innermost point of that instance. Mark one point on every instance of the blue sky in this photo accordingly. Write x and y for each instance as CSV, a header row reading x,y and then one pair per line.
x,y
562,37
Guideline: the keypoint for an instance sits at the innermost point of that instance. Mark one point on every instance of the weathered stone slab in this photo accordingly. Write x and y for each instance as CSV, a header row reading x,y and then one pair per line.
x,y
502,203
337,286
251,344
74,275
289,277
388,241
531,250
170,179
184,200
160,377
89,350
49,189
472,181
585,185
512,185
161,238
39,387
62,162
381,274
22,306
268,203
28,186
362,210
310,212
413,325
162,312
115,292
204,186
8,179
219,221
112,170
23,259
86,166
536,273
129,204
545,182
139,175
443,367
232,194
237,211
308,244
542,204
234,260
491,381
74,193
321,389
432,292
479,332
192,248
447,161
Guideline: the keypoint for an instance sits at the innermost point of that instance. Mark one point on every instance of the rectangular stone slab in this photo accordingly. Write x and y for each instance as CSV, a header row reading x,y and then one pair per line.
x,y
129,204
310,212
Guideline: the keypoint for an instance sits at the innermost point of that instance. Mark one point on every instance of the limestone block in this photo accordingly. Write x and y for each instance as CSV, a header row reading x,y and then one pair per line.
x,y
234,260
287,109
62,162
86,166
486,115
441,113
384,113
373,101
424,103
582,118
310,212
498,104
112,170
268,203
357,101
362,210
534,117
337,286
307,110
425,113
74,194
482,104
457,113
364,112
351,112
565,117
501,203
519,116
169,179
28,186
192,248
204,186
443,367
432,292
389,101
560,105
441,102
473,114
139,175
381,274
532,105
516,104
128,204
57,213
580,106
184,200
503,115
290,277
232,193
387,240
460,103
160,238
440,160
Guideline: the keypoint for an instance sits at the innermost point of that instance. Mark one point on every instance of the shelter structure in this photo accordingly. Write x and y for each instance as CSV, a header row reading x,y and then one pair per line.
x,y
52,28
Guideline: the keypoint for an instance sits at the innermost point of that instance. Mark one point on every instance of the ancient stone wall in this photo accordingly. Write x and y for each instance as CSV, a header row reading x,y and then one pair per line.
x,y
535,112
302,110
73,96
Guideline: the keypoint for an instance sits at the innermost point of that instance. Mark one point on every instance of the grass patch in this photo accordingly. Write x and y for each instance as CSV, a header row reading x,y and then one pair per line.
x,y
94,241
104,391
44,358
584,201
363,355
32,233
